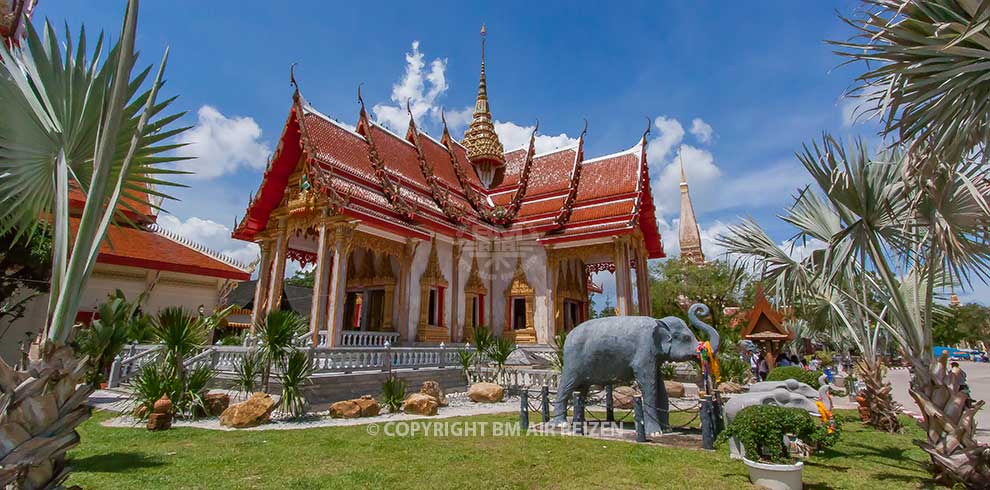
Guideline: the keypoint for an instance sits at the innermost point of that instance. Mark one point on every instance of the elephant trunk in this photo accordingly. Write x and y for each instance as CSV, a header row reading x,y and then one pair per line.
x,y
702,309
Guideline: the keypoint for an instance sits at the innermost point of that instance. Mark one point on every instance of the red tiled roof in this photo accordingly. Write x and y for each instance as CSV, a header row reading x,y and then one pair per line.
x,y
611,193
136,247
133,203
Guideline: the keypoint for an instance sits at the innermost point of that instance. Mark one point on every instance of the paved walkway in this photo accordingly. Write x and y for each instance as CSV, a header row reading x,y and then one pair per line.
x,y
978,377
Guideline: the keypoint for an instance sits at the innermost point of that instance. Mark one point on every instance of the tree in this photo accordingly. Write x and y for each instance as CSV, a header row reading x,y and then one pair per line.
x,y
968,323
86,123
902,242
302,278
25,266
717,283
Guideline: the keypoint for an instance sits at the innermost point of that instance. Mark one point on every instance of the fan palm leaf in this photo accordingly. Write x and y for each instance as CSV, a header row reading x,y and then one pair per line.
x,y
927,71
71,122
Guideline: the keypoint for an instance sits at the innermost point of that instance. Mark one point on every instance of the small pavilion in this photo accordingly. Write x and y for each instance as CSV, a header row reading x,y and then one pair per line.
x,y
766,328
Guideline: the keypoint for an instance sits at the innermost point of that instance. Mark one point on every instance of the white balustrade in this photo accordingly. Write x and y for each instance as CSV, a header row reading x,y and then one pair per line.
x,y
356,338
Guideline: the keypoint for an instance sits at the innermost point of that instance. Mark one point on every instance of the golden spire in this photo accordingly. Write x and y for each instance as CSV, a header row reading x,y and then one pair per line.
x,y
484,149
689,235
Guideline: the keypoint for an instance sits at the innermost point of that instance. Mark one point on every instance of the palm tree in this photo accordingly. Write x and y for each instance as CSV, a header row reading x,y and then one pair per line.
x,y
181,334
103,339
69,121
276,333
896,244
926,75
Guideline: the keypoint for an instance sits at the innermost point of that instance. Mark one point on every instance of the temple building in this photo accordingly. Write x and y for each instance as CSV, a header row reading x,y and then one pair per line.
x,y
425,239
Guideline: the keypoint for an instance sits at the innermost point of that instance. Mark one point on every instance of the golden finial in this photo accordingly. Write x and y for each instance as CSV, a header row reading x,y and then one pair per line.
x,y
484,149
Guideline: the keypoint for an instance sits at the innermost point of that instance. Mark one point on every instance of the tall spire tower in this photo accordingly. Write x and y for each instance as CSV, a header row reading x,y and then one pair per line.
x,y
689,235
484,150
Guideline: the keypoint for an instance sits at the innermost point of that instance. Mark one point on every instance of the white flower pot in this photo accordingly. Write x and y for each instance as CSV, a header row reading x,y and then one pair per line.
x,y
775,476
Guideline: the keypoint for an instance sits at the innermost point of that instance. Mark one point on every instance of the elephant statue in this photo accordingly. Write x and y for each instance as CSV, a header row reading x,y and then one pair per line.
x,y
792,385
617,350
779,396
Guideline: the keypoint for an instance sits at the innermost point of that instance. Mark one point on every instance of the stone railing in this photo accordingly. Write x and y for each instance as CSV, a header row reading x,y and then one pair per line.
x,y
325,360
517,378
352,338
367,339
129,362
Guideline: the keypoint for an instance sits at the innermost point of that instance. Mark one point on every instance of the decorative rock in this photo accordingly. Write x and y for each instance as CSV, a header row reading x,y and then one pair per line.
x,y
159,421
369,406
674,389
486,393
254,411
215,403
163,405
347,409
432,388
731,388
420,404
622,397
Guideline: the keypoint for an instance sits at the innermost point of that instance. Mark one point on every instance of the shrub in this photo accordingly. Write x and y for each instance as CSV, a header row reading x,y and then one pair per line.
x,y
276,334
761,430
499,351
192,392
152,381
393,393
295,375
557,362
734,369
465,359
825,357
784,373
246,373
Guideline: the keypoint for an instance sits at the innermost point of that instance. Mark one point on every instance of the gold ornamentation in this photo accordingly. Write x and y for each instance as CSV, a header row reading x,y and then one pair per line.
x,y
432,278
474,282
484,149
440,195
520,288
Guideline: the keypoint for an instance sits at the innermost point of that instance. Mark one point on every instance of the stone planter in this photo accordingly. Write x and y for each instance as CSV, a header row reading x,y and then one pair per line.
x,y
775,476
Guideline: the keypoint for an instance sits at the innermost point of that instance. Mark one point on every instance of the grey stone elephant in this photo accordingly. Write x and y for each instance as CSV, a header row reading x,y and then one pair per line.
x,y
779,396
618,350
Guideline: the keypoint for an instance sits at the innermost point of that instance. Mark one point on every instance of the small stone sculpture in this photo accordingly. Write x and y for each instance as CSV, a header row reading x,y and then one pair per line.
x,y
160,417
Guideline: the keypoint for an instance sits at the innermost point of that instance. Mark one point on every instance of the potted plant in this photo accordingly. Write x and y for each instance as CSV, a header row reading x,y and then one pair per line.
x,y
771,437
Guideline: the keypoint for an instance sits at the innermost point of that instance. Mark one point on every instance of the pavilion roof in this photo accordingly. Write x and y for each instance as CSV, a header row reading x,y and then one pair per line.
x,y
765,322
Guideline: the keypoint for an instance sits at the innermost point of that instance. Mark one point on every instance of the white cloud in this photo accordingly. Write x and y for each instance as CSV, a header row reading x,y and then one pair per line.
x,y
420,87
514,136
712,189
212,235
221,145
671,134
424,84
702,130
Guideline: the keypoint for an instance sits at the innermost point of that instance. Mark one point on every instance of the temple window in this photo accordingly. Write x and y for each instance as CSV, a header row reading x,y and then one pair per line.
x,y
432,285
520,297
474,300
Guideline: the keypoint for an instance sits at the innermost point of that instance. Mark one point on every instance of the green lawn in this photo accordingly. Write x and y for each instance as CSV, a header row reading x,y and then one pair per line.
x,y
349,458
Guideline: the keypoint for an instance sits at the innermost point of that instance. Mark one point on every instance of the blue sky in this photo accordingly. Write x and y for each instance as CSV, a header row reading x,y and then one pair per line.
x,y
734,88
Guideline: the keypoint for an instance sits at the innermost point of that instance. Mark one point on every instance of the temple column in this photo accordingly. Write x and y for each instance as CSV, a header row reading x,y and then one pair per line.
x,y
405,275
643,283
259,307
552,264
278,267
623,281
321,279
342,234
456,326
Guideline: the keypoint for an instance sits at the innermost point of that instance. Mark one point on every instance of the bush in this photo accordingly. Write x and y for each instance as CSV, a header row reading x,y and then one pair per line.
x,y
152,382
393,393
761,430
295,374
809,378
734,369
246,373
825,357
